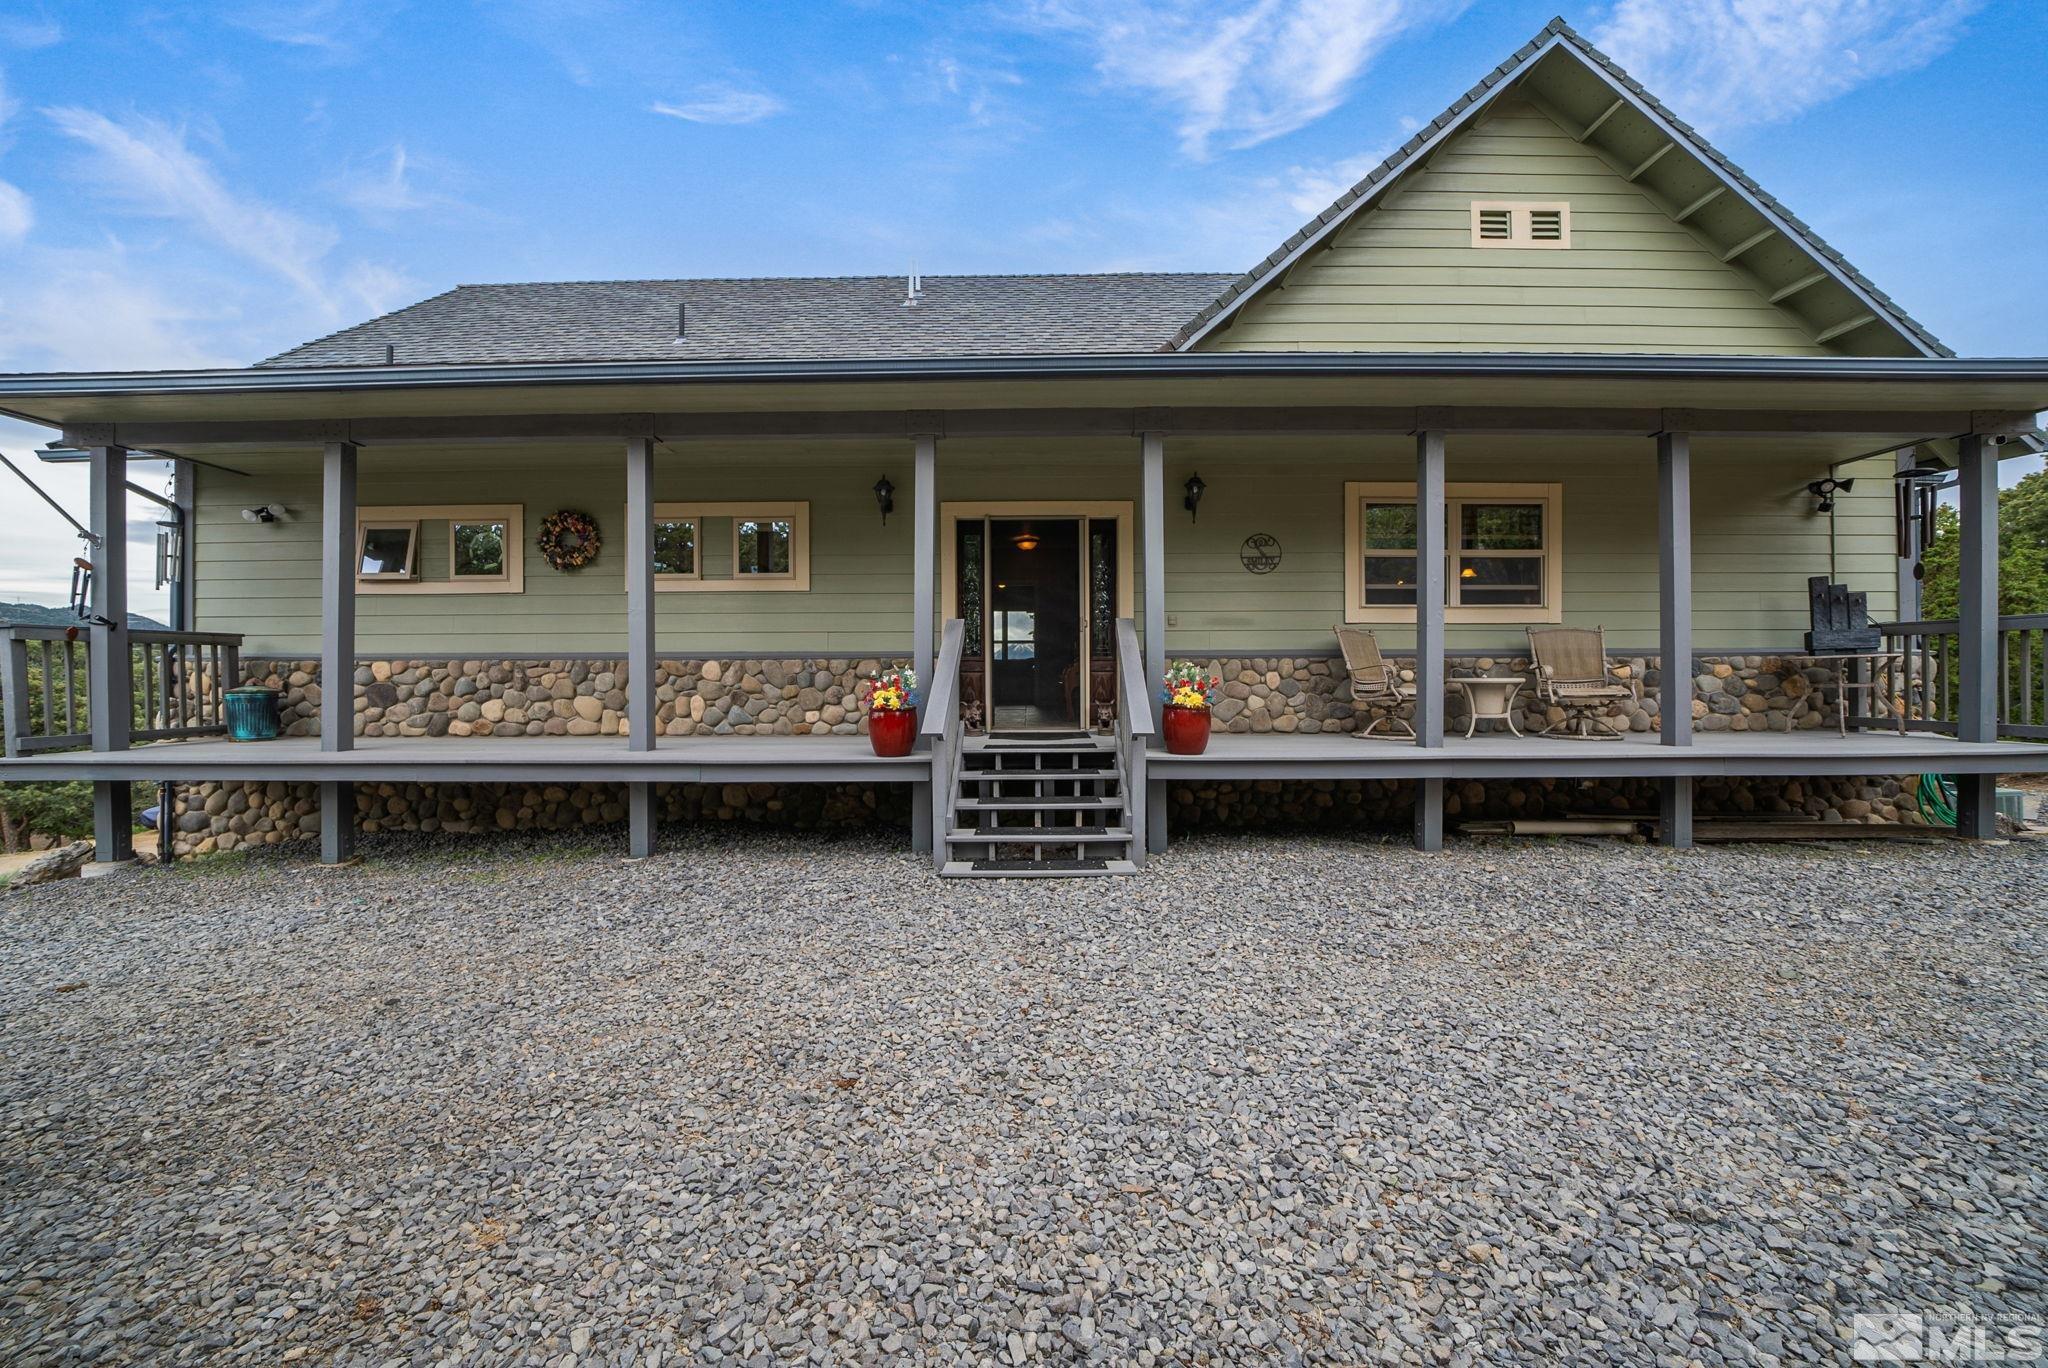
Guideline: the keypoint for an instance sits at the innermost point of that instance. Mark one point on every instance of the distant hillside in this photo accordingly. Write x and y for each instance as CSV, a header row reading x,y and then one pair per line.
x,y
36,615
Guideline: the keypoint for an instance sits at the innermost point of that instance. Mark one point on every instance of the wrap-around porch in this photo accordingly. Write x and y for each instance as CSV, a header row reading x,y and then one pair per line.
x,y
1966,744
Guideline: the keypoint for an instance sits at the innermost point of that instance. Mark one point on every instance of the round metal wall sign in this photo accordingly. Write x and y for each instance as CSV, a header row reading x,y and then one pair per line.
x,y
1260,553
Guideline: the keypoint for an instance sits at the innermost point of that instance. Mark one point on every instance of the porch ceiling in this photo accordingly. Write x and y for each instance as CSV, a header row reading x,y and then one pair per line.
x,y
1837,407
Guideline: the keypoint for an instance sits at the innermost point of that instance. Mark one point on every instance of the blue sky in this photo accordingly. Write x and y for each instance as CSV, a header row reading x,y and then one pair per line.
x,y
206,184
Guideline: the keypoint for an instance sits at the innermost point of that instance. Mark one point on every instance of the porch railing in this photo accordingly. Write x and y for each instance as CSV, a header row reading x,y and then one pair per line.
x,y
1133,730
1933,666
180,680
940,725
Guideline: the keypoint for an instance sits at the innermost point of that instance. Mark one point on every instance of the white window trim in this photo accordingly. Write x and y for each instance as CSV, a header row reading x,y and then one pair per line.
x,y
513,581
1551,496
1519,234
796,513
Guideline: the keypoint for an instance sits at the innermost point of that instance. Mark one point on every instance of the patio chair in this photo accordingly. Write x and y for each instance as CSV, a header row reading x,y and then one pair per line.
x,y
1374,682
1570,668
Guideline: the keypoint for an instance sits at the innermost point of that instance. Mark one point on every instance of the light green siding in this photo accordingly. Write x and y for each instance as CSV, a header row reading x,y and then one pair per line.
x,y
1756,541
1405,276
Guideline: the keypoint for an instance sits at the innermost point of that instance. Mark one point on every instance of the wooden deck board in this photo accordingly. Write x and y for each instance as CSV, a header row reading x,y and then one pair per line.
x,y
806,759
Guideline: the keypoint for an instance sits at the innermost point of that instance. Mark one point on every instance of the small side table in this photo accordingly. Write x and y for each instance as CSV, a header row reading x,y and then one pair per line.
x,y
1490,698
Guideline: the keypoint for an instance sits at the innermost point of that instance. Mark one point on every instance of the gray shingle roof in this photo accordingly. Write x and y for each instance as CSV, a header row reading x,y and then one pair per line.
x,y
826,318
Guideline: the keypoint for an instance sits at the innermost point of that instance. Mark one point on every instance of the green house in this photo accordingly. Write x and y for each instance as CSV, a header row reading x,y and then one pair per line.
x,y
1555,364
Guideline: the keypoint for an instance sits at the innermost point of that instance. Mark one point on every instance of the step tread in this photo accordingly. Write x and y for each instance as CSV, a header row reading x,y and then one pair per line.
x,y
1102,803
1038,836
976,869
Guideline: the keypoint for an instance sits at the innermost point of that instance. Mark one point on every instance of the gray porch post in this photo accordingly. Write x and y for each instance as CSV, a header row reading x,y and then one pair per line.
x,y
1977,630
110,688
1429,630
640,721
337,642
1152,538
1674,634
924,606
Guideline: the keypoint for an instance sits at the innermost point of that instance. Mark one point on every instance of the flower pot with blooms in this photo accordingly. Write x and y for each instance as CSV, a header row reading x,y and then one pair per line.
x,y
892,711
1189,694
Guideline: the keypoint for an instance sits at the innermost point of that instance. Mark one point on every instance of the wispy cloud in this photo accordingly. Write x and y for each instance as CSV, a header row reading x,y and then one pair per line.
x,y
30,31
149,166
334,29
1725,64
722,104
392,188
17,214
1239,73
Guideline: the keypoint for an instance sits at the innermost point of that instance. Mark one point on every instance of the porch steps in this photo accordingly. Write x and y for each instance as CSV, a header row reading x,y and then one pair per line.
x,y
1039,806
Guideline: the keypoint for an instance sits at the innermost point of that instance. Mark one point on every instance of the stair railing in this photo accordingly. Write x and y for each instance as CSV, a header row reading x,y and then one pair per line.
x,y
1133,729
940,722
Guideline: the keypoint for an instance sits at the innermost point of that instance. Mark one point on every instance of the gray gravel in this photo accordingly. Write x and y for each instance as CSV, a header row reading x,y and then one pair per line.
x,y
775,1099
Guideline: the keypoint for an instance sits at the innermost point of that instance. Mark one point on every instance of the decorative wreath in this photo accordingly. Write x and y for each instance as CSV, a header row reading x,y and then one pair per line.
x,y
568,539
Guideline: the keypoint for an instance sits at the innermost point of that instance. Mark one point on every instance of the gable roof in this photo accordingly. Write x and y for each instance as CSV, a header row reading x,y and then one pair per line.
x,y
773,319
1757,215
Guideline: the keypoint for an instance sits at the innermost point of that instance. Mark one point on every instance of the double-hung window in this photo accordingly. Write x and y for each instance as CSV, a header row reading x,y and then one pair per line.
x,y
1503,553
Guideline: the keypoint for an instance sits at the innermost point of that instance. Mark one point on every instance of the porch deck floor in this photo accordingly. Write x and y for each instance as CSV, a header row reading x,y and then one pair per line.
x,y
1342,755
824,759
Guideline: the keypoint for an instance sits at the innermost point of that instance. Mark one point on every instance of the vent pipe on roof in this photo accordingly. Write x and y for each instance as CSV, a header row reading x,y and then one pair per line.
x,y
390,354
680,320
913,287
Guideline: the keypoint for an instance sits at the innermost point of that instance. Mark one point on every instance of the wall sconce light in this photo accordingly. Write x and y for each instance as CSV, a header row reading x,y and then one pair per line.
x,y
1194,488
885,498
264,513
1824,492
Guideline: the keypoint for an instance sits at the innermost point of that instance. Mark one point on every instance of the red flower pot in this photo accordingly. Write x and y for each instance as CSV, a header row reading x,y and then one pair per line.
x,y
1187,730
892,731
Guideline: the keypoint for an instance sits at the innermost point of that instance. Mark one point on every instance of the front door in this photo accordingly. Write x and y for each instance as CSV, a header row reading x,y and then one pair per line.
x,y
1035,625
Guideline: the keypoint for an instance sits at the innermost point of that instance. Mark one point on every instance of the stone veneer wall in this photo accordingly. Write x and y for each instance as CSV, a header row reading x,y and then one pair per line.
x,y
220,817
818,696
1733,693
505,698
1304,694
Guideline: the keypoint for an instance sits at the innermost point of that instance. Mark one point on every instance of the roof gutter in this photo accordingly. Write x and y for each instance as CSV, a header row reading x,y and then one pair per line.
x,y
1147,365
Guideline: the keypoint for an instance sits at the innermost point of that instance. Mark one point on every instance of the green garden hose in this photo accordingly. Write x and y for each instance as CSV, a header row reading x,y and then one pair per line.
x,y
1938,799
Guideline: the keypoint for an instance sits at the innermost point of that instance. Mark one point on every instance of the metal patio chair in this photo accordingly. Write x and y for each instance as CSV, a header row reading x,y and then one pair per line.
x,y
1375,682
1570,669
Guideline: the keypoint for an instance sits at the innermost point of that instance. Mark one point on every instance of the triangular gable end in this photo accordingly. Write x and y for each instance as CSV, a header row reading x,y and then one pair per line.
x,y
1678,251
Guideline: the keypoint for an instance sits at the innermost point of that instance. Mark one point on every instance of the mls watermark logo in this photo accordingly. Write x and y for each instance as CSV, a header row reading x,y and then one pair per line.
x,y
1891,1337
1910,1337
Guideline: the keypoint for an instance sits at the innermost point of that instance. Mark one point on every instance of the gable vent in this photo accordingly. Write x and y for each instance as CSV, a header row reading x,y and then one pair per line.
x,y
1516,223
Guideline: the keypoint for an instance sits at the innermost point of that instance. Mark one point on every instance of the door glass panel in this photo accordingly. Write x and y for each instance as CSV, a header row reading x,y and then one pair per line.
x,y
1035,620
1102,588
967,584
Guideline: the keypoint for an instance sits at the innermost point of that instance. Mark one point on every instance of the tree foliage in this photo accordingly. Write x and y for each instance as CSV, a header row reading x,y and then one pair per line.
x,y
2022,554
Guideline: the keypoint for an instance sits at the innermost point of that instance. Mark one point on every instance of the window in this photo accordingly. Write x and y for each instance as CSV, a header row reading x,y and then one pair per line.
x,y
761,546
441,549
476,550
675,548
1013,632
1503,558
727,546
385,550
1514,223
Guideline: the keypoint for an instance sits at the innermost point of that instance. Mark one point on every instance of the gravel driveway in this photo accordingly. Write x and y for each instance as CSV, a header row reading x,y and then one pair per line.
x,y
776,1099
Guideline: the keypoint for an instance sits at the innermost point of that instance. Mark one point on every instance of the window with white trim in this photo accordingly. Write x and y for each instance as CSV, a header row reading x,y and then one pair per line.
x,y
727,546
1503,552
441,549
